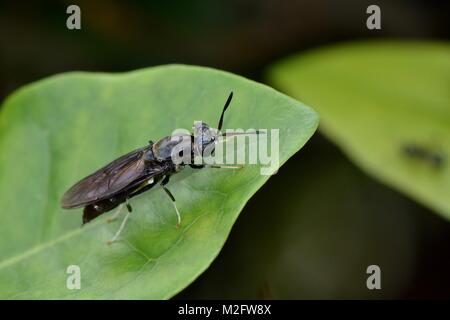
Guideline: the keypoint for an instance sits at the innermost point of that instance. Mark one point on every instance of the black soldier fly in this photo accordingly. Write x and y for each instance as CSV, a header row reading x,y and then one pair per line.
x,y
434,158
137,172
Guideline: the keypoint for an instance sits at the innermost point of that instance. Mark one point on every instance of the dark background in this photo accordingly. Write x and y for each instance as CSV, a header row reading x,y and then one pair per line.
x,y
313,229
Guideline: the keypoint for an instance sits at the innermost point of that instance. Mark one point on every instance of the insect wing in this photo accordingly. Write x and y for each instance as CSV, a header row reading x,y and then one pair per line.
x,y
106,181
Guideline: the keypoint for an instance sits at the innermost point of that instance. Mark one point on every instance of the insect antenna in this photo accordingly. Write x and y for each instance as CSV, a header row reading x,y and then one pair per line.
x,y
233,134
219,126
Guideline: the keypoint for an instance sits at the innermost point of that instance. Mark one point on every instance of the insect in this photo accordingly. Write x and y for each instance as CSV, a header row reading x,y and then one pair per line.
x,y
138,171
434,158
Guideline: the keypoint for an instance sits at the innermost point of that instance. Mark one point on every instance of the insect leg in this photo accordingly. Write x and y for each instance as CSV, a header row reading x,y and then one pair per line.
x,y
163,185
129,208
116,214
122,225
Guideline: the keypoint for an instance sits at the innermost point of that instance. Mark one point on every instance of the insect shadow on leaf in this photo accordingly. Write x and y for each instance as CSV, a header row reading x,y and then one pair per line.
x,y
418,152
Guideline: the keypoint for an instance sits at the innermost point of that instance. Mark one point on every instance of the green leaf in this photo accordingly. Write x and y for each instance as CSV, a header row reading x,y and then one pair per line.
x,y
377,98
58,130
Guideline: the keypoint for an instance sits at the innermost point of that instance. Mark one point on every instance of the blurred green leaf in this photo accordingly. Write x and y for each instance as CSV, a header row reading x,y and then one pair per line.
x,y
376,99
56,131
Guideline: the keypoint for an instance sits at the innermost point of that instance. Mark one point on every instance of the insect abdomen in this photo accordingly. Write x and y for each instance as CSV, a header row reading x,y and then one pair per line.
x,y
92,211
